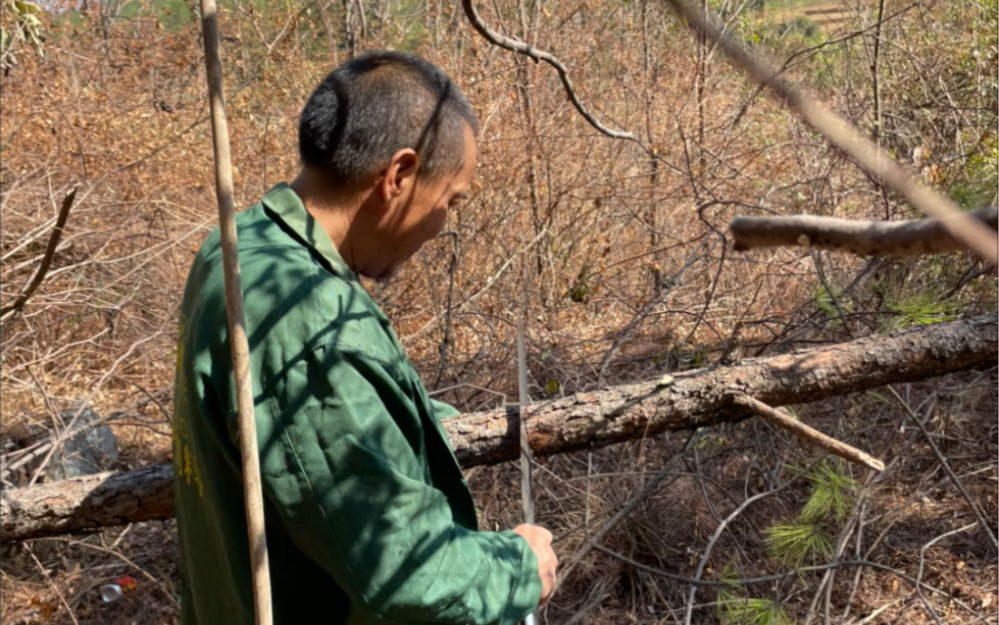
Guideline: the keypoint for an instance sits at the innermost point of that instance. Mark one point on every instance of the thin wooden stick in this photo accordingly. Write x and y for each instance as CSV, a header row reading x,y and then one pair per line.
x,y
237,325
806,433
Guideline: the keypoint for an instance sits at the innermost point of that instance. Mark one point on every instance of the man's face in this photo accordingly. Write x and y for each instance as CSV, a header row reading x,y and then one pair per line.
x,y
418,215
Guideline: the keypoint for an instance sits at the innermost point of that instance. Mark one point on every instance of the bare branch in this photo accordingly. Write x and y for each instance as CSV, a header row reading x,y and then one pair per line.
x,y
863,238
922,562
849,139
55,587
635,324
520,47
58,440
43,267
714,539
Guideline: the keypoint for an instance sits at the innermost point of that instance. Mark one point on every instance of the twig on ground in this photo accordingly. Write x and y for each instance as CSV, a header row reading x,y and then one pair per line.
x,y
806,433
863,238
727,583
650,487
858,547
847,138
58,592
688,615
979,515
596,596
43,266
876,613
922,562
114,552
826,585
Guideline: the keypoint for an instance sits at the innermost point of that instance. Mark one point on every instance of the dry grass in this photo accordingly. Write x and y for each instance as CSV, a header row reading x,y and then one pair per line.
x,y
602,224
910,505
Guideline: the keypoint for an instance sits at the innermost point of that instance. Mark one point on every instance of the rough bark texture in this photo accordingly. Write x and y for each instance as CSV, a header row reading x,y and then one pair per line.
x,y
863,238
87,503
685,400
698,398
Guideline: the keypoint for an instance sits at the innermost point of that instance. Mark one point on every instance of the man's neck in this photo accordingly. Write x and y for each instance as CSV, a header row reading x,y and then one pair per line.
x,y
335,211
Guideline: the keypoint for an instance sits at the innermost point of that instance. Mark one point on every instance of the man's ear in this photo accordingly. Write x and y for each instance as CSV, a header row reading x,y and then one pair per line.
x,y
400,174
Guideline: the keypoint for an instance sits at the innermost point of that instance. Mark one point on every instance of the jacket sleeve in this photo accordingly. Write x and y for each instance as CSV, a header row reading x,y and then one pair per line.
x,y
352,493
444,411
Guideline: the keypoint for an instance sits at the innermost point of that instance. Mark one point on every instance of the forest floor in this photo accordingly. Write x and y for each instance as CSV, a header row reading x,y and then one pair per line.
x,y
117,107
914,524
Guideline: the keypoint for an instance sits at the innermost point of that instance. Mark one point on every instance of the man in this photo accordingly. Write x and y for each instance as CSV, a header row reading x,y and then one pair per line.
x,y
369,519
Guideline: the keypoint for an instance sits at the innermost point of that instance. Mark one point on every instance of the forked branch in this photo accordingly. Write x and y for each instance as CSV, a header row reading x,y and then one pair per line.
x,y
520,47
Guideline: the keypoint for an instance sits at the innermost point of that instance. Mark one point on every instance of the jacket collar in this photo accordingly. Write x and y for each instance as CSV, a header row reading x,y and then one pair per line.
x,y
285,206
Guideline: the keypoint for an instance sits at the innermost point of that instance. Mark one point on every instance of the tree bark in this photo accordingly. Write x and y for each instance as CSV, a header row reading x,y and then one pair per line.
x,y
586,420
87,503
863,238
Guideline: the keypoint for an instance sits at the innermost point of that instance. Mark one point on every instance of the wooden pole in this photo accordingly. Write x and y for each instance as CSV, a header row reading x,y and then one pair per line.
x,y
237,327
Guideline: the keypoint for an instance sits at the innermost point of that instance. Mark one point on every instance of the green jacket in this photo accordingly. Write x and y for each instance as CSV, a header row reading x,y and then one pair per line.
x,y
369,518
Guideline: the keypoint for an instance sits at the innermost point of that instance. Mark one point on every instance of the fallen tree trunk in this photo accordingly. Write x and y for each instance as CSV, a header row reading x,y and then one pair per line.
x,y
586,420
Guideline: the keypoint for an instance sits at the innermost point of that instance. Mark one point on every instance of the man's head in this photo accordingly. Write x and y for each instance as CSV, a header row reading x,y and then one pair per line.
x,y
394,134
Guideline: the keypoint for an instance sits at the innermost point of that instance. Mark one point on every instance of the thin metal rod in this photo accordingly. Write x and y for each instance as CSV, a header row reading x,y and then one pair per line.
x,y
527,499
237,325
526,487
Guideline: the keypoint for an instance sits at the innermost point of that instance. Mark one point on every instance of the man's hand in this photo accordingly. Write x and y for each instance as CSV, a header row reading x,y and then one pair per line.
x,y
540,541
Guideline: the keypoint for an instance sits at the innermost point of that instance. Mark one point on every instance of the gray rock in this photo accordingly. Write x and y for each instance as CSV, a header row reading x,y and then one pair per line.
x,y
92,450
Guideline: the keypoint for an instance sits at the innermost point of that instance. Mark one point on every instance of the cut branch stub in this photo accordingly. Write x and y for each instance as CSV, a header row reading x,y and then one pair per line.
x,y
808,434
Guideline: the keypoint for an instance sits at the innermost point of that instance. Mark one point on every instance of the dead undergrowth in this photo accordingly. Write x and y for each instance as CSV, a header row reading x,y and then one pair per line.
x,y
116,108
638,570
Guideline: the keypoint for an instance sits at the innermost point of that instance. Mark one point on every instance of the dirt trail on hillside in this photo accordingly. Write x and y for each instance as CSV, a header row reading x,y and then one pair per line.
x,y
828,14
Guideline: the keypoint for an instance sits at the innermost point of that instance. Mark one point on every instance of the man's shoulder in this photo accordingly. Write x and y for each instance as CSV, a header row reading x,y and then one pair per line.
x,y
279,277
268,255
290,296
